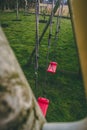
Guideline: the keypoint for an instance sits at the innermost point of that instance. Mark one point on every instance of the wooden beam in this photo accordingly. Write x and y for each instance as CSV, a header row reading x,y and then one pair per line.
x,y
18,107
79,19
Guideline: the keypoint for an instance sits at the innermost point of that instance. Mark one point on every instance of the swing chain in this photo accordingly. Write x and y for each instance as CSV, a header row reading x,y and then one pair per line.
x,y
50,35
58,20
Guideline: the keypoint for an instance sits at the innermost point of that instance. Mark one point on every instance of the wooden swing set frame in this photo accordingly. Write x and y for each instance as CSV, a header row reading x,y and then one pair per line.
x,y
16,96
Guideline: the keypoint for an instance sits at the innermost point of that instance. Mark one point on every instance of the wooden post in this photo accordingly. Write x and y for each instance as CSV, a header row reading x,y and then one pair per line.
x,y
79,19
18,107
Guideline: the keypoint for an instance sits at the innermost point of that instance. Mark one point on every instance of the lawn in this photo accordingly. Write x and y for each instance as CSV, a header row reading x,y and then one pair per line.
x,y
64,89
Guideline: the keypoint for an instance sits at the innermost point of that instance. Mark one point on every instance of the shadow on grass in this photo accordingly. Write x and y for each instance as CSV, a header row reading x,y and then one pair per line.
x,y
4,25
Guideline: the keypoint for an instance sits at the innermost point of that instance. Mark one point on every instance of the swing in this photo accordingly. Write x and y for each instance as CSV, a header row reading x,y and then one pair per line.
x,y
43,104
52,67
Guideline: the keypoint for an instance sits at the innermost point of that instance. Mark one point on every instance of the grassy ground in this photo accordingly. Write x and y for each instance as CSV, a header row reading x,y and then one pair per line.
x,y
65,88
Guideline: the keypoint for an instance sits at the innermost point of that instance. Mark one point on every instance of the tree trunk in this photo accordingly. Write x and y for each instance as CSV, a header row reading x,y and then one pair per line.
x,y
17,10
26,7
18,107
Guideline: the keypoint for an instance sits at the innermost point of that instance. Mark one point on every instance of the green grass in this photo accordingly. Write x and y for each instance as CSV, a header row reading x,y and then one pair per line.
x,y
65,88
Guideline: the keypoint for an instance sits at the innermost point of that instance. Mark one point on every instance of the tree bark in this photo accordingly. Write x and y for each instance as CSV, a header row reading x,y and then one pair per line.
x,y
17,10
18,106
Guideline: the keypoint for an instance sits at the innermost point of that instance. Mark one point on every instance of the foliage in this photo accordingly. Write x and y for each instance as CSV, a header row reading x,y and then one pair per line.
x,y
65,88
11,4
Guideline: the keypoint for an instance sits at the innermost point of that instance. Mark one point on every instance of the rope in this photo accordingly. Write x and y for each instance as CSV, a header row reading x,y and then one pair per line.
x,y
37,42
59,16
58,22
49,40
50,32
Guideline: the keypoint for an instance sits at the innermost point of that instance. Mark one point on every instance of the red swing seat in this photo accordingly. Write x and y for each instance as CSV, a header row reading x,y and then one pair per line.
x,y
43,103
52,67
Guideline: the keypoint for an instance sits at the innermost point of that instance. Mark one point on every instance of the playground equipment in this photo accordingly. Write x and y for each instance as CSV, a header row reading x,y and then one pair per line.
x,y
52,67
43,103
22,111
77,12
44,31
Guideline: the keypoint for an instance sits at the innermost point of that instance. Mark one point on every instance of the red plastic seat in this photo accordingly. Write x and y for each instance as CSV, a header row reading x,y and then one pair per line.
x,y
52,67
43,103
